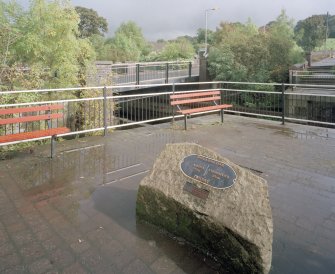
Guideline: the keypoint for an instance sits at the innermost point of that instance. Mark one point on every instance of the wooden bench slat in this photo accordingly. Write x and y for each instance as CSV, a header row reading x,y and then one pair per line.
x,y
5,111
203,109
197,100
186,99
194,94
25,119
33,134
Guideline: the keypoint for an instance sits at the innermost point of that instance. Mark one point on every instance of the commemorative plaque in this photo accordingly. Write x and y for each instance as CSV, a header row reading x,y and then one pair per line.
x,y
208,171
196,191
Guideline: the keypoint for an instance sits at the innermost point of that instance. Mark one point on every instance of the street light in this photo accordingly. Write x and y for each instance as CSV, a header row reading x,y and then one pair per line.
x,y
206,13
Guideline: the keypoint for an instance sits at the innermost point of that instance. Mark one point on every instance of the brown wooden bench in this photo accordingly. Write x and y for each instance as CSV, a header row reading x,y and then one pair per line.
x,y
18,117
198,102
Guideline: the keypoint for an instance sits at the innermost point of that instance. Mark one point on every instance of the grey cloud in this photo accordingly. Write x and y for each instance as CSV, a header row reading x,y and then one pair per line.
x,y
170,18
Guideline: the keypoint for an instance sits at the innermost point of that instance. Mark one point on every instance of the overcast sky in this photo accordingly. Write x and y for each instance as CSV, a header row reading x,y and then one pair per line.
x,y
171,18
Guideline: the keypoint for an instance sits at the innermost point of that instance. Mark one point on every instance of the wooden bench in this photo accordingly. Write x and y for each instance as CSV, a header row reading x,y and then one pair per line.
x,y
198,102
17,116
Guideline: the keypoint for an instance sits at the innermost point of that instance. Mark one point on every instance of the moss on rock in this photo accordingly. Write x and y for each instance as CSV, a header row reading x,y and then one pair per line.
x,y
233,252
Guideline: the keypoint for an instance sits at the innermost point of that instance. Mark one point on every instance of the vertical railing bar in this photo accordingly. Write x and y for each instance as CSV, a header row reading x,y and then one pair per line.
x,y
104,91
146,108
142,118
167,73
283,103
90,113
171,107
137,74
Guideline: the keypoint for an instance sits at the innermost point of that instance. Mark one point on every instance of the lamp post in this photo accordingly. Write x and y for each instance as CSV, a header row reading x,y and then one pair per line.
x,y
206,13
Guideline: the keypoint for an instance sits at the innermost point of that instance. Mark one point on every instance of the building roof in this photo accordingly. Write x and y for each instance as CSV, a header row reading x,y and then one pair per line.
x,y
328,62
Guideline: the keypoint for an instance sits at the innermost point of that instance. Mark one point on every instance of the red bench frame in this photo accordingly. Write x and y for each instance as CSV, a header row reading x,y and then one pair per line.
x,y
48,115
182,100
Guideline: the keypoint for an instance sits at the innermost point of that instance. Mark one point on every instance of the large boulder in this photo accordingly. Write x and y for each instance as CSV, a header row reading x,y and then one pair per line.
x,y
211,202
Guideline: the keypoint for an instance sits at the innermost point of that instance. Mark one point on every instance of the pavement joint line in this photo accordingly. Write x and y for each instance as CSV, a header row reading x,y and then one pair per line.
x,y
120,169
136,174
301,191
77,149
112,182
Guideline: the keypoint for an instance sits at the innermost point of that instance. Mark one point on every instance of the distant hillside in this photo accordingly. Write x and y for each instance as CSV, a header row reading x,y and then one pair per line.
x,y
330,45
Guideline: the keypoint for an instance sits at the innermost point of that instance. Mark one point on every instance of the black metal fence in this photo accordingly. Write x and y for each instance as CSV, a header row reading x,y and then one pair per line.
x,y
312,104
104,108
142,73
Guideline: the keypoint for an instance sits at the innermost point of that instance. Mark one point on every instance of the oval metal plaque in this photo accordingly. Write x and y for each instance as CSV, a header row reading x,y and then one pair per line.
x,y
208,171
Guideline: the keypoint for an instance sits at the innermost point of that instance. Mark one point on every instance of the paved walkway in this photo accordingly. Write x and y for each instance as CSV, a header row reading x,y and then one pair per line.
x,y
76,213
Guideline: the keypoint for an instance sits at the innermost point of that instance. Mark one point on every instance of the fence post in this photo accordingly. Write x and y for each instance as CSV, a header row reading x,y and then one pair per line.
x,y
283,103
223,93
53,146
105,110
137,74
190,70
173,91
166,73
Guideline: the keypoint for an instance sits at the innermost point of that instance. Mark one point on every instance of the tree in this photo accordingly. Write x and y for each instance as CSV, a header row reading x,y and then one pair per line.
x,y
310,32
101,47
201,37
181,49
134,33
48,44
283,50
124,48
224,67
128,44
234,33
247,53
248,48
9,14
91,23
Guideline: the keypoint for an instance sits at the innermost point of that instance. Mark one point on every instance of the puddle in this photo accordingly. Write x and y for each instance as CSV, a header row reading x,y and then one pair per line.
x,y
265,126
318,134
304,135
82,183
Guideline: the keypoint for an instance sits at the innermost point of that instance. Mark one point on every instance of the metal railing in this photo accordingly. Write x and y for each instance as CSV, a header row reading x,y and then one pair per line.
x,y
143,73
100,109
312,77
311,104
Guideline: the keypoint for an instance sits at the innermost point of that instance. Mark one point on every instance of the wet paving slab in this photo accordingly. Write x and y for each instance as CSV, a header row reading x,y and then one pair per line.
x,y
76,213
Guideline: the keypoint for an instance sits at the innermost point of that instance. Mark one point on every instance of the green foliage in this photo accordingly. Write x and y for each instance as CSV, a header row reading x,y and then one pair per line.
x,y
224,66
128,44
124,48
246,53
199,42
9,33
283,50
50,40
201,34
329,46
91,23
310,32
46,44
101,47
180,49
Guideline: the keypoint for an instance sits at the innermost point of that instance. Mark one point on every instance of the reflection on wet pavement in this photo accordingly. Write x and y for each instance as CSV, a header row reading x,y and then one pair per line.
x,y
76,213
